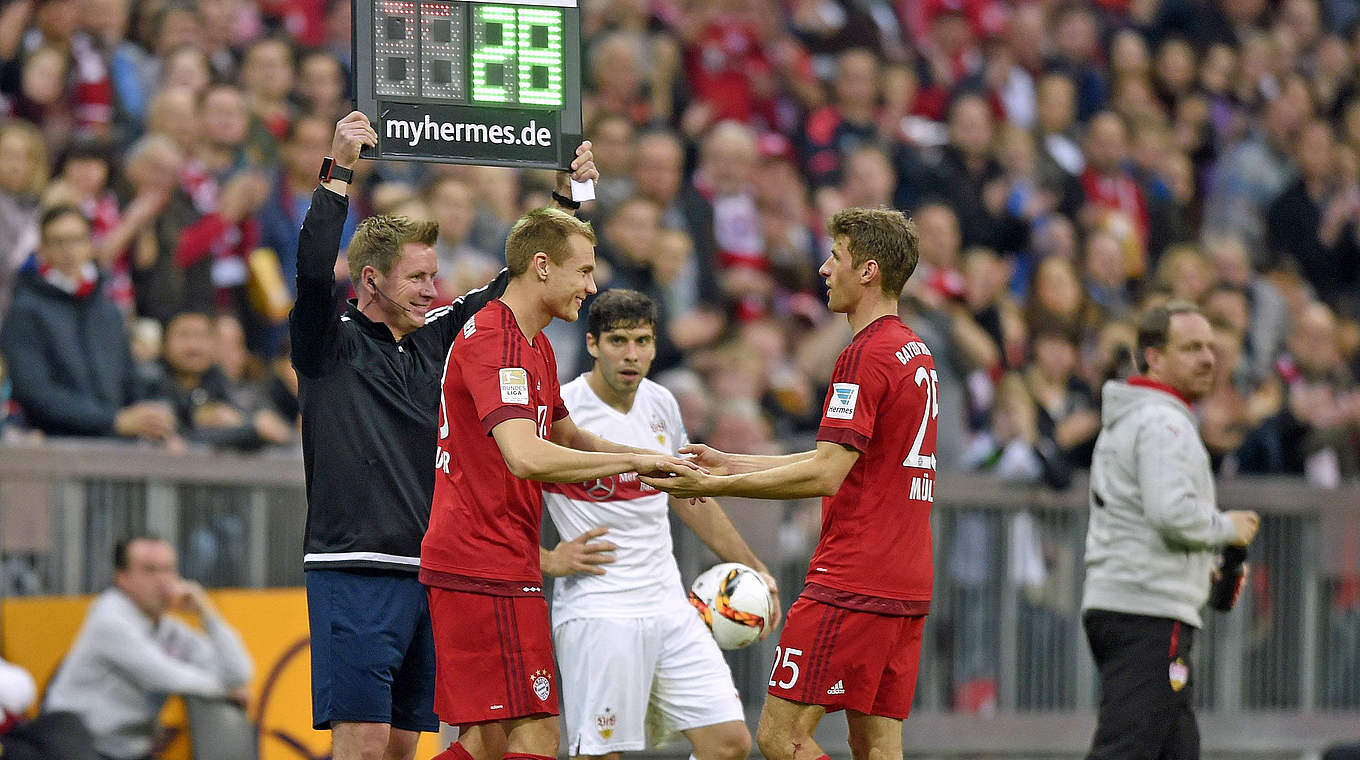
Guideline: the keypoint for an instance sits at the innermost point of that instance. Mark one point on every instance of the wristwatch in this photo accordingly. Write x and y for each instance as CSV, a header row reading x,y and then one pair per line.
x,y
330,170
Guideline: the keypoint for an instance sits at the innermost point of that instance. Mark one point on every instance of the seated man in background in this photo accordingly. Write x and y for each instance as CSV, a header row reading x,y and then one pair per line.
x,y
129,655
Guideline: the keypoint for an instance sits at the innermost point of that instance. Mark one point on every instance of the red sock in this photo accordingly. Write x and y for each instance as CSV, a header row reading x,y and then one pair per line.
x,y
454,752
823,757
526,756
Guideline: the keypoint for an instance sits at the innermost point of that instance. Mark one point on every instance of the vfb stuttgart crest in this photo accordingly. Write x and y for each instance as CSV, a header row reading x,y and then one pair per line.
x,y
605,722
542,686
1179,674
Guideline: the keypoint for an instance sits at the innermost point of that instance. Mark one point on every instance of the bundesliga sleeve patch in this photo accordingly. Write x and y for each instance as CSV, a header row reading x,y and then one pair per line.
x,y
514,386
470,326
844,396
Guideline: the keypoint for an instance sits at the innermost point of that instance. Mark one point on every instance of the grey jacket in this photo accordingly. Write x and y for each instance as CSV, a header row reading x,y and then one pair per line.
x,y
1154,526
123,666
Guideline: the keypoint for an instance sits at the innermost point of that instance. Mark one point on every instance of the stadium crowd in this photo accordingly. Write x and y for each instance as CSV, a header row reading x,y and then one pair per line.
x,y
1068,163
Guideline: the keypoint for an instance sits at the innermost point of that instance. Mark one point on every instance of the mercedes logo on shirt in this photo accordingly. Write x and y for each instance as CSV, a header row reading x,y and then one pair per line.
x,y
601,489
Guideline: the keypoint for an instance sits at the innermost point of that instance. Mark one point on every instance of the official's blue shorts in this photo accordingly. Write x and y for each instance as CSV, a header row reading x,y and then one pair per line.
x,y
372,649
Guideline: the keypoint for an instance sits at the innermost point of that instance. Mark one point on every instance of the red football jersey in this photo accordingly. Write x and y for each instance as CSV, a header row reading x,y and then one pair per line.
x,y
874,551
484,522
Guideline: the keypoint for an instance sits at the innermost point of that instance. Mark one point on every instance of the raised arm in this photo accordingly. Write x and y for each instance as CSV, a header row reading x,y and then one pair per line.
x,y
314,323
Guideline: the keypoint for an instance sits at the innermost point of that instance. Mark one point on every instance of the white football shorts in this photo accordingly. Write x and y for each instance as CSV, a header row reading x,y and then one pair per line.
x,y
627,680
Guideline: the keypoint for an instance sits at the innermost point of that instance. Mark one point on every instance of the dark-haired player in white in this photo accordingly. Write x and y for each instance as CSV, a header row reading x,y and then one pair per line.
x,y
635,656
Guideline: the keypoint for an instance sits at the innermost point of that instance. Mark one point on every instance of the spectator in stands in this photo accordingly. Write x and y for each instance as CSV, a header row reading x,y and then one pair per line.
x,y
659,175
23,176
200,392
1185,272
1257,169
970,179
1268,317
321,86
66,344
52,736
1115,202
130,655
1067,411
834,131
1106,280
1322,406
1313,223
462,265
1234,414
725,180
254,386
268,72
1056,114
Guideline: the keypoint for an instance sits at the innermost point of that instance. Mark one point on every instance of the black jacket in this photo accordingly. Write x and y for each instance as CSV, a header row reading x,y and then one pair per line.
x,y
68,356
369,407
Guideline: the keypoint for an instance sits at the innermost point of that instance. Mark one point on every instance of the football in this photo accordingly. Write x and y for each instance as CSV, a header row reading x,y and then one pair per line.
x,y
734,602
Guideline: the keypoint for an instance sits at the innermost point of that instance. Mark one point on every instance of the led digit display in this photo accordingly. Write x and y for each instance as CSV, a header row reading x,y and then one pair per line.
x,y
443,48
493,54
395,47
470,81
540,56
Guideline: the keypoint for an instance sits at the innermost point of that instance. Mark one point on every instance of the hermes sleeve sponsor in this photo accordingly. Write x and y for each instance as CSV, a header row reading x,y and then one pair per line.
x,y
844,397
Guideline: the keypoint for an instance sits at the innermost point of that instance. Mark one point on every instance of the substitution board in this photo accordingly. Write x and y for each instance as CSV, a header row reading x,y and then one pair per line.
x,y
470,82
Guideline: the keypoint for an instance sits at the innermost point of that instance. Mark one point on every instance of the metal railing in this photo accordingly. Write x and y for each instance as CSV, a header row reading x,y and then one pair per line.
x,y
1003,651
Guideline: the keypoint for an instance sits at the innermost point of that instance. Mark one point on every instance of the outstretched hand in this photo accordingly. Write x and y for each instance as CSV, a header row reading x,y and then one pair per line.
x,y
709,458
683,479
582,554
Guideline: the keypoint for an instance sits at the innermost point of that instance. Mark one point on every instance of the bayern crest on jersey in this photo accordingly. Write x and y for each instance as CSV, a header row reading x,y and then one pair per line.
x,y
542,686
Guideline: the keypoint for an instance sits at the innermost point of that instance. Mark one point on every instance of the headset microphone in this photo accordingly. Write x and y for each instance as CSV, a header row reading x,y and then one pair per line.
x,y
390,300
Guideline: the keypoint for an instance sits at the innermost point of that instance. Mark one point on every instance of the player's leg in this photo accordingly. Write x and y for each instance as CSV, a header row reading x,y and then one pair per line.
x,y
359,741
484,741
413,687
494,666
356,621
532,738
401,744
785,730
720,741
607,666
874,737
875,719
693,690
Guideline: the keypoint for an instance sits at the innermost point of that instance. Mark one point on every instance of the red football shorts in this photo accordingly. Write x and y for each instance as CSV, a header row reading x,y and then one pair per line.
x,y
847,659
493,657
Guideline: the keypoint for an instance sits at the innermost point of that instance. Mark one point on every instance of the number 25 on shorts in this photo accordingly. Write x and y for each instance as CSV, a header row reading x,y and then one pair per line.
x,y
784,660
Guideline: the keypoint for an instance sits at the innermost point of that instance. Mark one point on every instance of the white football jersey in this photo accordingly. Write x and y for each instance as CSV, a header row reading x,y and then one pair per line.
x,y
643,580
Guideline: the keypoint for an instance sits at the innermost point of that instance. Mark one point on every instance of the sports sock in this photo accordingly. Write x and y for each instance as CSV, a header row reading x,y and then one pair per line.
x,y
454,752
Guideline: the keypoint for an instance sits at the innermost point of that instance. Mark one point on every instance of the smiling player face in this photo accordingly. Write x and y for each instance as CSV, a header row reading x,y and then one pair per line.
x,y
623,356
570,283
